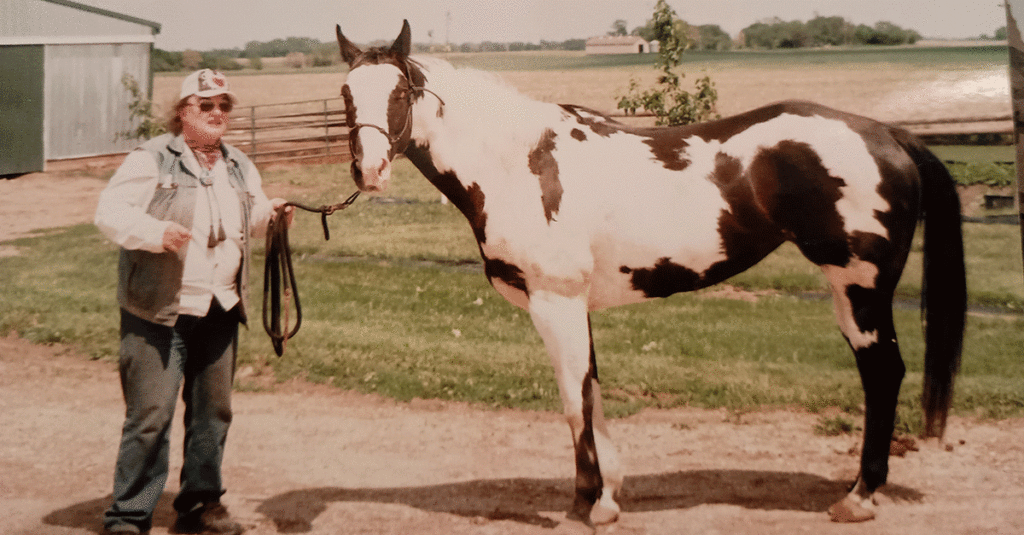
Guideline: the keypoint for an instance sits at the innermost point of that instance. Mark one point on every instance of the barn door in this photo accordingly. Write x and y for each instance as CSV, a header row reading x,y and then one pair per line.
x,y
21,109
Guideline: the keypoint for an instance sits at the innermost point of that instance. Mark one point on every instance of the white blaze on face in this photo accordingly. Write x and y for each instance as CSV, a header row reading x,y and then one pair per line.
x,y
371,87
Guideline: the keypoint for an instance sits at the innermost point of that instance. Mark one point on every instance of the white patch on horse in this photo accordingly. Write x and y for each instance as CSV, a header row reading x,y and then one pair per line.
x,y
367,84
843,152
856,273
631,226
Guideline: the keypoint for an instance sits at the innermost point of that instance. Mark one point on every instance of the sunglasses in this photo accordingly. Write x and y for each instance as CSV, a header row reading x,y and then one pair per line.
x,y
207,106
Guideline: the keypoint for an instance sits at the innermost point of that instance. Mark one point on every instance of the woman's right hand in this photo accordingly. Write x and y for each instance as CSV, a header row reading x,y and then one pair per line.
x,y
175,237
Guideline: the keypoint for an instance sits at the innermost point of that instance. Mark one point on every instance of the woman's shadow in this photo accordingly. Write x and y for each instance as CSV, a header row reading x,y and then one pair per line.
x,y
89,515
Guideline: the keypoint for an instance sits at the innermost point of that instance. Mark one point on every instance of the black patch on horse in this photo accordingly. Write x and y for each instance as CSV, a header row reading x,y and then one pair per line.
x,y
663,279
747,235
804,209
667,148
596,121
505,272
543,164
469,201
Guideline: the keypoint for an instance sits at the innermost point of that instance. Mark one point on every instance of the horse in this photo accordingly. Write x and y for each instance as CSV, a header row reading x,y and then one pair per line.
x,y
573,211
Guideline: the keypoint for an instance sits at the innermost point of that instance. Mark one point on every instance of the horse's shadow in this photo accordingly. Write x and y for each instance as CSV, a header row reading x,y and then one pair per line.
x,y
523,500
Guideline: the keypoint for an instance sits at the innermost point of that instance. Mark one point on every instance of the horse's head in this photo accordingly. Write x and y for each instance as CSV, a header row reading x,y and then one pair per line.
x,y
379,94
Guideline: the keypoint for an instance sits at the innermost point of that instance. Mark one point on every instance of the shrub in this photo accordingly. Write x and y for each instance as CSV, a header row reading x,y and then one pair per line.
x,y
668,101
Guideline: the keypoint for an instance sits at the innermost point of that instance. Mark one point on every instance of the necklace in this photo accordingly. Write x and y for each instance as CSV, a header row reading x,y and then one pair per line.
x,y
206,155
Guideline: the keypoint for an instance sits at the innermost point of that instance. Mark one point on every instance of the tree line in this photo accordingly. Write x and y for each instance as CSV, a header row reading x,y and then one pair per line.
x,y
775,33
769,34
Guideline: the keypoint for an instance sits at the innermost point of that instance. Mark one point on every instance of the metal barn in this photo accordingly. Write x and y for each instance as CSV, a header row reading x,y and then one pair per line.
x,y
61,95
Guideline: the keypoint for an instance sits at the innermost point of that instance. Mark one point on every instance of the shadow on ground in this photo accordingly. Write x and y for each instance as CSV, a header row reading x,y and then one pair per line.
x,y
523,500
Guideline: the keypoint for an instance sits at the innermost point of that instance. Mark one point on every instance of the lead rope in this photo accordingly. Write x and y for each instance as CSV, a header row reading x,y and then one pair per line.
x,y
279,277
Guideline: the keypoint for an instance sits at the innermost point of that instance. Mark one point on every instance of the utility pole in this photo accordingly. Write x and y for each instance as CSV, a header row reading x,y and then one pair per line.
x,y
447,31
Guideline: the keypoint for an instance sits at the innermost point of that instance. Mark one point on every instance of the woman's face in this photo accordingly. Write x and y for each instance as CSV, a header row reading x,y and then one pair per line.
x,y
205,119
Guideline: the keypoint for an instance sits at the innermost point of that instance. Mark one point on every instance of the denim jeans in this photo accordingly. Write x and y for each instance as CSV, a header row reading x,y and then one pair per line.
x,y
155,360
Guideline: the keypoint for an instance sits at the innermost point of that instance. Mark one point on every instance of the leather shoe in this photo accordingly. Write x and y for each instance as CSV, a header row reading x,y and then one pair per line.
x,y
122,529
208,519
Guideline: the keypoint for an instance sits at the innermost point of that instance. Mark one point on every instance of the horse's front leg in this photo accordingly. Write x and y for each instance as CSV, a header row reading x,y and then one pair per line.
x,y
564,325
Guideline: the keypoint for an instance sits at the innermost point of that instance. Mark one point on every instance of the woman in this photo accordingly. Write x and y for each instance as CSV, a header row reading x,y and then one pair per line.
x,y
183,208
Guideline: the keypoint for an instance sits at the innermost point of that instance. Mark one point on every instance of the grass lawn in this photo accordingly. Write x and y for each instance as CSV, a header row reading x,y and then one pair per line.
x,y
396,304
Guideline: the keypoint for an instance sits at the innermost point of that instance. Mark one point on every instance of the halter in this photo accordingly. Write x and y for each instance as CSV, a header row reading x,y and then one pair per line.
x,y
414,91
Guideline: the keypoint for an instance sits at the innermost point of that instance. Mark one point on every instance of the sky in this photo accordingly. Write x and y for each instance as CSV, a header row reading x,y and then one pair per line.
x,y
205,24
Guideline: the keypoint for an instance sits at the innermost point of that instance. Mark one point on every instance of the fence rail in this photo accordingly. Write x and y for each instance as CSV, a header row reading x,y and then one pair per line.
x,y
291,131
315,130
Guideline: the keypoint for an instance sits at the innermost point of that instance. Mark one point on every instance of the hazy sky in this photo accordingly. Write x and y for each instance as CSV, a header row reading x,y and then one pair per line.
x,y
208,24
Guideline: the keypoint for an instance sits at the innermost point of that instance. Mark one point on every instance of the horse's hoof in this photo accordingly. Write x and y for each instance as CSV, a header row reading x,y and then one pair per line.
x,y
571,526
850,510
604,513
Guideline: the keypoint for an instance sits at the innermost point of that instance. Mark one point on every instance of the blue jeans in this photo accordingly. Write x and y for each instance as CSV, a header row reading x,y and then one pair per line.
x,y
154,361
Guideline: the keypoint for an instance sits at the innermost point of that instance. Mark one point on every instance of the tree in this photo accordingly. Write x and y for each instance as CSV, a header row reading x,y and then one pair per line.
x,y
832,31
712,37
190,59
619,28
668,101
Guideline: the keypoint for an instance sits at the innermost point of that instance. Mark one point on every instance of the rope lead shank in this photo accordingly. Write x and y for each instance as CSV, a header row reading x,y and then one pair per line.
x,y
279,277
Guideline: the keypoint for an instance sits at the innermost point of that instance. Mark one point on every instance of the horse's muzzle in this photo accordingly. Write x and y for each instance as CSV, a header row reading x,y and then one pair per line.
x,y
373,179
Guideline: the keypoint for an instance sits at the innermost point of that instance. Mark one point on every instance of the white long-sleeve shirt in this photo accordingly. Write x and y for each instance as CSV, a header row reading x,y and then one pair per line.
x,y
208,272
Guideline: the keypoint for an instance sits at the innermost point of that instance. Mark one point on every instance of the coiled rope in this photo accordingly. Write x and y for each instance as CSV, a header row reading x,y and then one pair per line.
x,y
279,277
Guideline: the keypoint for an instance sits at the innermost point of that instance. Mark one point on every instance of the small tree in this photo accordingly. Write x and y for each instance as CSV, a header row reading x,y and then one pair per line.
x,y
140,109
190,59
668,101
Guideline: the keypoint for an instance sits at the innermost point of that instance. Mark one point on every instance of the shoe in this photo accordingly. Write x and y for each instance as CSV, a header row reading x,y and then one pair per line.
x,y
122,529
208,519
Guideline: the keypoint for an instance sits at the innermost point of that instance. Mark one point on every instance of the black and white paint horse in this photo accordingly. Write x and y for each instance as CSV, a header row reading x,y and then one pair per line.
x,y
576,212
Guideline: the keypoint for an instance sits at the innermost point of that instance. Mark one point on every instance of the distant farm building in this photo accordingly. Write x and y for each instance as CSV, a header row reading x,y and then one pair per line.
x,y
620,44
61,65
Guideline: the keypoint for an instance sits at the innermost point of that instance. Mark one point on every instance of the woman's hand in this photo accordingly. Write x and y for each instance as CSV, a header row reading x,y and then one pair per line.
x,y
289,211
176,237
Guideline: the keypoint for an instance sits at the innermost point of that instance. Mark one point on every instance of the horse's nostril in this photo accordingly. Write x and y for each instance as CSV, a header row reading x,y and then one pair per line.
x,y
383,166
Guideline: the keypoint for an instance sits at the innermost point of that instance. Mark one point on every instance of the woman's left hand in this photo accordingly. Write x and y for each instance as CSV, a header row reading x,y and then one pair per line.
x,y
289,211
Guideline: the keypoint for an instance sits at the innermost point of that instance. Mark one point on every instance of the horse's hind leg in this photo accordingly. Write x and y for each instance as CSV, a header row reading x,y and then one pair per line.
x,y
864,313
564,325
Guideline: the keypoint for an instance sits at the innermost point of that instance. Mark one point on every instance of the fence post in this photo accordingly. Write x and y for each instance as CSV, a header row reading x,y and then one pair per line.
x,y
252,132
327,130
1016,50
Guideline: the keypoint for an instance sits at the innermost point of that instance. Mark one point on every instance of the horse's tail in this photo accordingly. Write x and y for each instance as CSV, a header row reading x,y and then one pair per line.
x,y
944,284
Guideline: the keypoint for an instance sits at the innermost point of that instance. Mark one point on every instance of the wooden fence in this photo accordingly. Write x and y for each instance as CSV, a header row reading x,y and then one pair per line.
x,y
315,130
293,131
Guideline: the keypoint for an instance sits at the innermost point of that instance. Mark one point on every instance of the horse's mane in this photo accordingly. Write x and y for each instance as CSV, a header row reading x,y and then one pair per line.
x,y
474,93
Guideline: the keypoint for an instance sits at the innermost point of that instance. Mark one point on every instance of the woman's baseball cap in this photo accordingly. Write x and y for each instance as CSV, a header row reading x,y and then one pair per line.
x,y
206,83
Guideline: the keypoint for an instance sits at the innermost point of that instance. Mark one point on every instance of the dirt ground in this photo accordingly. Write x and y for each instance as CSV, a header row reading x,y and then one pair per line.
x,y
310,459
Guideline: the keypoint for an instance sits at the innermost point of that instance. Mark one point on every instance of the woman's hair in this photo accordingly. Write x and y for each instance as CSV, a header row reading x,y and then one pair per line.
x,y
173,118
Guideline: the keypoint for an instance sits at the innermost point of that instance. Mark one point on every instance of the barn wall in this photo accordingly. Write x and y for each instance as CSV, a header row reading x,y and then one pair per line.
x,y
36,19
86,103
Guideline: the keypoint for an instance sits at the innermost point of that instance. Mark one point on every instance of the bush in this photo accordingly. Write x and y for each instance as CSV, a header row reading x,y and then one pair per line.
x,y
140,108
672,104
992,174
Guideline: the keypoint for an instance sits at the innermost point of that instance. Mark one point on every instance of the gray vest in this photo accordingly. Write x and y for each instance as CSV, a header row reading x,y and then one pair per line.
x,y
149,284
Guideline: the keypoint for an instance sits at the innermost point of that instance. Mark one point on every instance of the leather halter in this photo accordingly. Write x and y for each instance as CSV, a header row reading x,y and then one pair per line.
x,y
393,140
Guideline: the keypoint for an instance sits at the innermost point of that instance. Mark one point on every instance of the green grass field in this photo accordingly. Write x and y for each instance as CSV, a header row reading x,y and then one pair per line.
x,y
396,304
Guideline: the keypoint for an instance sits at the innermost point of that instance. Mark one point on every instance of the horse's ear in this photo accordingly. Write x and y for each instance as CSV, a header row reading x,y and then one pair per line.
x,y
403,45
349,51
